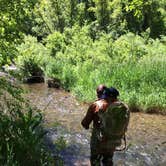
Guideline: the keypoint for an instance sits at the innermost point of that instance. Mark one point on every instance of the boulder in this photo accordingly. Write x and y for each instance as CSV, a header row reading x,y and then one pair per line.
x,y
34,79
53,83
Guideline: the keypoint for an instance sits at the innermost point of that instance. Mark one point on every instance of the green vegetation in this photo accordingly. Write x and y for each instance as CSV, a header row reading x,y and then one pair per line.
x,y
132,64
20,132
31,58
21,141
85,43
82,44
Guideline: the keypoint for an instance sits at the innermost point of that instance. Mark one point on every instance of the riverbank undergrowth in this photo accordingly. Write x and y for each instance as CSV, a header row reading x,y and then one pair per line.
x,y
134,64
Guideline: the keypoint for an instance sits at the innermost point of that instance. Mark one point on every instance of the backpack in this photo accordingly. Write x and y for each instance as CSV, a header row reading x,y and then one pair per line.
x,y
114,122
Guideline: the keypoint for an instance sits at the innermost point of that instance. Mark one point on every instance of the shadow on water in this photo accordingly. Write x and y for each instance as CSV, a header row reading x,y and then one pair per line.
x,y
76,151
146,134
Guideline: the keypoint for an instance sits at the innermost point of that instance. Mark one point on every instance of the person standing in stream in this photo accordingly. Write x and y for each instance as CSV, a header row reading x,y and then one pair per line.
x,y
110,120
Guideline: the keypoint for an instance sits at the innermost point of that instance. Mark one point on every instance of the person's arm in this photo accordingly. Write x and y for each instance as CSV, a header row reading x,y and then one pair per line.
x,y
88,117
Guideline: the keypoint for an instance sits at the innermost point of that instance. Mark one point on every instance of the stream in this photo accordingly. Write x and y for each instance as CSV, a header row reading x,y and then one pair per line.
x,y
146,136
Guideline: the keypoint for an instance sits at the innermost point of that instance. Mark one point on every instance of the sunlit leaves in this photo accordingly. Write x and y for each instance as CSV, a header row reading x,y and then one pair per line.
x,y
15,17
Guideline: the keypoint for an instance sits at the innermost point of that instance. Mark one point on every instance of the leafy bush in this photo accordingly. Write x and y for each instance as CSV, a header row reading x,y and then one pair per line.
x,y
32,57
7,52
55,43
129,47
21,141
53,68
21,135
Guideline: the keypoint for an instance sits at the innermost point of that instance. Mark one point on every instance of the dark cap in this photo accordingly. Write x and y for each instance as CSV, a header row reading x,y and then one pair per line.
x,y
110,92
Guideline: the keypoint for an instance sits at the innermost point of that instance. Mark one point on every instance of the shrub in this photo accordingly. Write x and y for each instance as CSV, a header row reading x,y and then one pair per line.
x,y
55,42
32,57
21,141
129,47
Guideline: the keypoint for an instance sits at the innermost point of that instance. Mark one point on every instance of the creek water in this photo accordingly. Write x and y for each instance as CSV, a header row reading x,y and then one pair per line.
x,y
146,136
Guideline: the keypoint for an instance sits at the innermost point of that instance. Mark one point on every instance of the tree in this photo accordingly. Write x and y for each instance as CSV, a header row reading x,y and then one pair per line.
x,y
15,17
102,13
141,14
89,14
53,15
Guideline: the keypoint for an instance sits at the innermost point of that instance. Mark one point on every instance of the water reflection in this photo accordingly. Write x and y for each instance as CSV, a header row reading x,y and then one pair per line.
x,y
146,134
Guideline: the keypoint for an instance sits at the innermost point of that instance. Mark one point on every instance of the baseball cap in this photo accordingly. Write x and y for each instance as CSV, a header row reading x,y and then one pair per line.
x,y
110,92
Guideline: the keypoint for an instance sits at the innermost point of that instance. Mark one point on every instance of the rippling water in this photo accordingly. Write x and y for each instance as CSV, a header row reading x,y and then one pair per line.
x,y
146,134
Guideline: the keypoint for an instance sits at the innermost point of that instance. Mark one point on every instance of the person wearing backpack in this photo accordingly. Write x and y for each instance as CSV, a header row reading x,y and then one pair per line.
x,y
110,120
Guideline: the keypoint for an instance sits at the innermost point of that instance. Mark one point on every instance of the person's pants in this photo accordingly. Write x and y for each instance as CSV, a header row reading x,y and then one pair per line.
x,y
100,152
105,159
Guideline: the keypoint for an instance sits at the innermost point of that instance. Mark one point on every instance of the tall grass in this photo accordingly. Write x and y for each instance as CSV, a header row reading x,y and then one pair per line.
x,y
142,85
